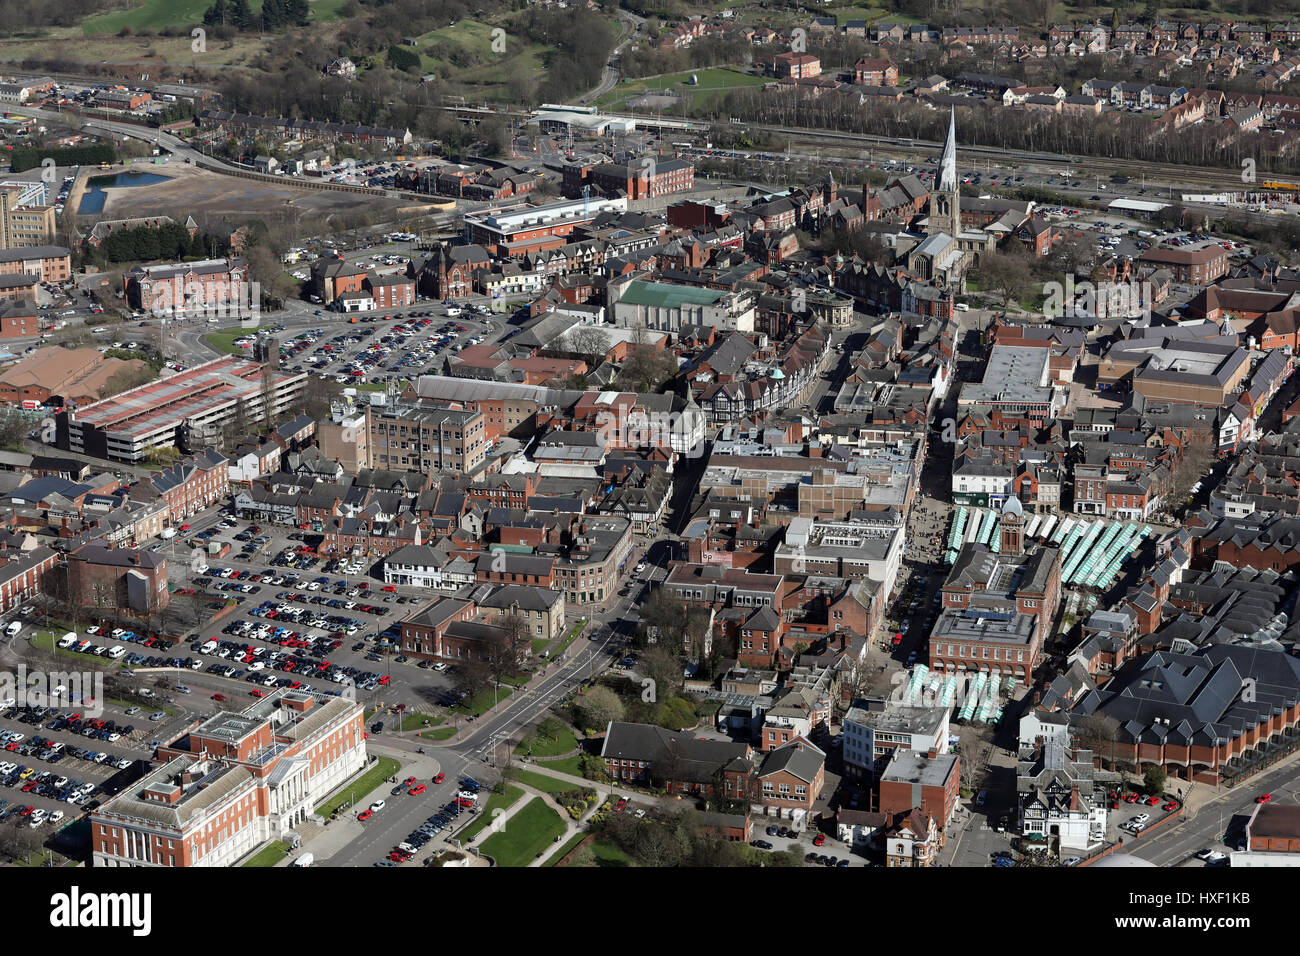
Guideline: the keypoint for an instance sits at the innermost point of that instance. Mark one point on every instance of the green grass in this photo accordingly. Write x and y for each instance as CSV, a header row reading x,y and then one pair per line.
x,y
497,801
360,789
569,638
483,701
537,744
608,854
526,835
148,707
713,83
441,733
150,15
540,781
479,64
45,641
270,855
224,340
539,645
570,765
564,851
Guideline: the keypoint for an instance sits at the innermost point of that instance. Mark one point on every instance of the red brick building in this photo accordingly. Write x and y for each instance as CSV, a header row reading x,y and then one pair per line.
x,y
796,66
875,71
928,781
189,286
112,579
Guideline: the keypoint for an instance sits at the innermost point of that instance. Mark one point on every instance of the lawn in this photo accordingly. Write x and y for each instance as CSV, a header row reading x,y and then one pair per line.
x,y
224,341
440,733
156,14
525,836
539,744
570,765
497,801
570,638
563,851
269,856
150,707
44,640
540,781
712,83
361,787
483,701
608,854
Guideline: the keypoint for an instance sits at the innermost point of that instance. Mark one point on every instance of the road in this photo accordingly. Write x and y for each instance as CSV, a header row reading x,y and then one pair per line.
x,y
478,751
610,74
1178,842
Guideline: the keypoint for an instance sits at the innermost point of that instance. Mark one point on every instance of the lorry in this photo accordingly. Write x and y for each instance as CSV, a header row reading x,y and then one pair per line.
x,y
305,860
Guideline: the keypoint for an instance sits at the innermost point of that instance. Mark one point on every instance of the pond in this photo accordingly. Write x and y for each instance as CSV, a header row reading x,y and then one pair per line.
x,y
92,201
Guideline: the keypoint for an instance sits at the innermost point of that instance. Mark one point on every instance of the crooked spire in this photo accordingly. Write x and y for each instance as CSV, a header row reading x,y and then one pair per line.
x,y
948,164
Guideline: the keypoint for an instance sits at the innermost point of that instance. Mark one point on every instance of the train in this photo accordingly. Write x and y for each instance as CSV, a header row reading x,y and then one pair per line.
x,y
1289,187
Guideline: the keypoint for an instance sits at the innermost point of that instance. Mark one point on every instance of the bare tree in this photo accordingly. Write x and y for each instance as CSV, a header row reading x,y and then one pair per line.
x,y
589,341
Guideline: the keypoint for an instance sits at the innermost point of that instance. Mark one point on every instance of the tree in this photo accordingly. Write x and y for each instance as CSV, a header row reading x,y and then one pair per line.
x,y
125,379
506,651
597,707
591,342
18,843
1005,274
13,428
1099,733
664,668
1154,779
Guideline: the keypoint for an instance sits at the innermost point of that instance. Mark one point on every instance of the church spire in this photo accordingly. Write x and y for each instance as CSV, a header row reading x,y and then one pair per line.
x,y
948,164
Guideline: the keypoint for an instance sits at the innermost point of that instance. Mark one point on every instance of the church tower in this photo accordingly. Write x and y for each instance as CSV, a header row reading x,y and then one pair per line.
x,y
945,200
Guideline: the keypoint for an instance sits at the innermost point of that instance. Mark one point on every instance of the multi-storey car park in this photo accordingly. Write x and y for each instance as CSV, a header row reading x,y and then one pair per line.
x,y
186,407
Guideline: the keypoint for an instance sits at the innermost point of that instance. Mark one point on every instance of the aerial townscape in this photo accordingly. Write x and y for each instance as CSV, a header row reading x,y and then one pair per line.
x,y
590,435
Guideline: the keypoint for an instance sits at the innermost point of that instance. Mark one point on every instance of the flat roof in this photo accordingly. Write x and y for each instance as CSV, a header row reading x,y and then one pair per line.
x,y
178,397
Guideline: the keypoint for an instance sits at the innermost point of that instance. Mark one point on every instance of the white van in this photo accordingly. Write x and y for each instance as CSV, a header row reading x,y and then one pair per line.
x,y
13,628
68,640
168,533
962,307
116,651
305,860
208,647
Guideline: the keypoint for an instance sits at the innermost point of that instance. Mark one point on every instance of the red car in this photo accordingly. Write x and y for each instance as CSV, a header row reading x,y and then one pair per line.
x,y
622,802
390,587
218,696
819,839
1171,805
1130,798
26,811
257,693
898,639
1151,801
418,789
365,815
185,527
409,781
1264,798
383,680
439,778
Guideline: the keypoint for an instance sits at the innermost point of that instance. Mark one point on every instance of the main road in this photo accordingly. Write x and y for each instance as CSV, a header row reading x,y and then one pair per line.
x,y
1210,825
478,752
